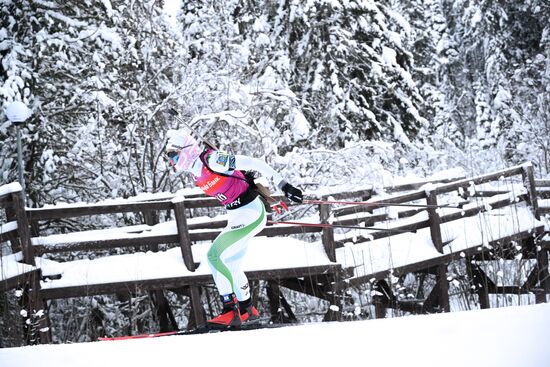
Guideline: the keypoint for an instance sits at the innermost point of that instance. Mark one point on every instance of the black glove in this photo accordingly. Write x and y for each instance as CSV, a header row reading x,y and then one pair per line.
x,y
292,193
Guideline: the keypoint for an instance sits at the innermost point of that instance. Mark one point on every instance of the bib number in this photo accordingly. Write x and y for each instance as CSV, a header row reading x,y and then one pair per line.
x,y
221,197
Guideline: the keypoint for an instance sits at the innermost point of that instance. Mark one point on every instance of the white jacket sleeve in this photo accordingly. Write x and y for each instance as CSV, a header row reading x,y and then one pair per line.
x,y
246,163
223,162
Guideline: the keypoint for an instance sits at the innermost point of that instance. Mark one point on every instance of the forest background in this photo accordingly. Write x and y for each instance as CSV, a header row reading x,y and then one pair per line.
x,y
327,92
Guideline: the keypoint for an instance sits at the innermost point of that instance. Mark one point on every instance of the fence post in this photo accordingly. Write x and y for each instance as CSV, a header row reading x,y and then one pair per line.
x,y
529,183
382,298
334,312
183,235
480,282
151,219
23,228
441,270
543,273
542,254
39,314
162,307
35,301
328,232
187,254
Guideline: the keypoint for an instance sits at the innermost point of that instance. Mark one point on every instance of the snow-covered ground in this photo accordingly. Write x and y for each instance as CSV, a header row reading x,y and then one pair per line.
x,y
504,337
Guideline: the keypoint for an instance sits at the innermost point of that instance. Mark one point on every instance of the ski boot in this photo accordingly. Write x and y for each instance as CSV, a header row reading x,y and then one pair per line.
x,y
230,316
248,312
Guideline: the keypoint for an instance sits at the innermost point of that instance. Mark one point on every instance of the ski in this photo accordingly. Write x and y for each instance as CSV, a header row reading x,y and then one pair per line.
x,y
204,329
140,336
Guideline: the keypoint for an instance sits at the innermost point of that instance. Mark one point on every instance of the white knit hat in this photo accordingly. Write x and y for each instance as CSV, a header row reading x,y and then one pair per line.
x,y
187,146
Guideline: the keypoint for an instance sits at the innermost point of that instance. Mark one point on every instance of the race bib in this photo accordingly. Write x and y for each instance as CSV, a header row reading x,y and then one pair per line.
x,y
221,161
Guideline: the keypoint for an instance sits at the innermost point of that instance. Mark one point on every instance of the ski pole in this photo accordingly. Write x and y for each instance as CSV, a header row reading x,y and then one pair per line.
x,y
375,203
329,225
176,114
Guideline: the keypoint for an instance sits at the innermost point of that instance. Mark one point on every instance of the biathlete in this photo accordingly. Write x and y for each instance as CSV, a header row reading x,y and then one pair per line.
x,y
219,175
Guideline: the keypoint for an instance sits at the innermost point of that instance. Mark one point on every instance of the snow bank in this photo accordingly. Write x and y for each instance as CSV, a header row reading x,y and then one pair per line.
x,y
505,337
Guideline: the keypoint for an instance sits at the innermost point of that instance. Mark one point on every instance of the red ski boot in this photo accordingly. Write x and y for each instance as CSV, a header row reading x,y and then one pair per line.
x,y
230,316
249,313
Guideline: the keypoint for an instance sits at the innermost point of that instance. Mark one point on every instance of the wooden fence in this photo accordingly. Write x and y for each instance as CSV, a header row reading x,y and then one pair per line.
x,y
538,281
325,281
